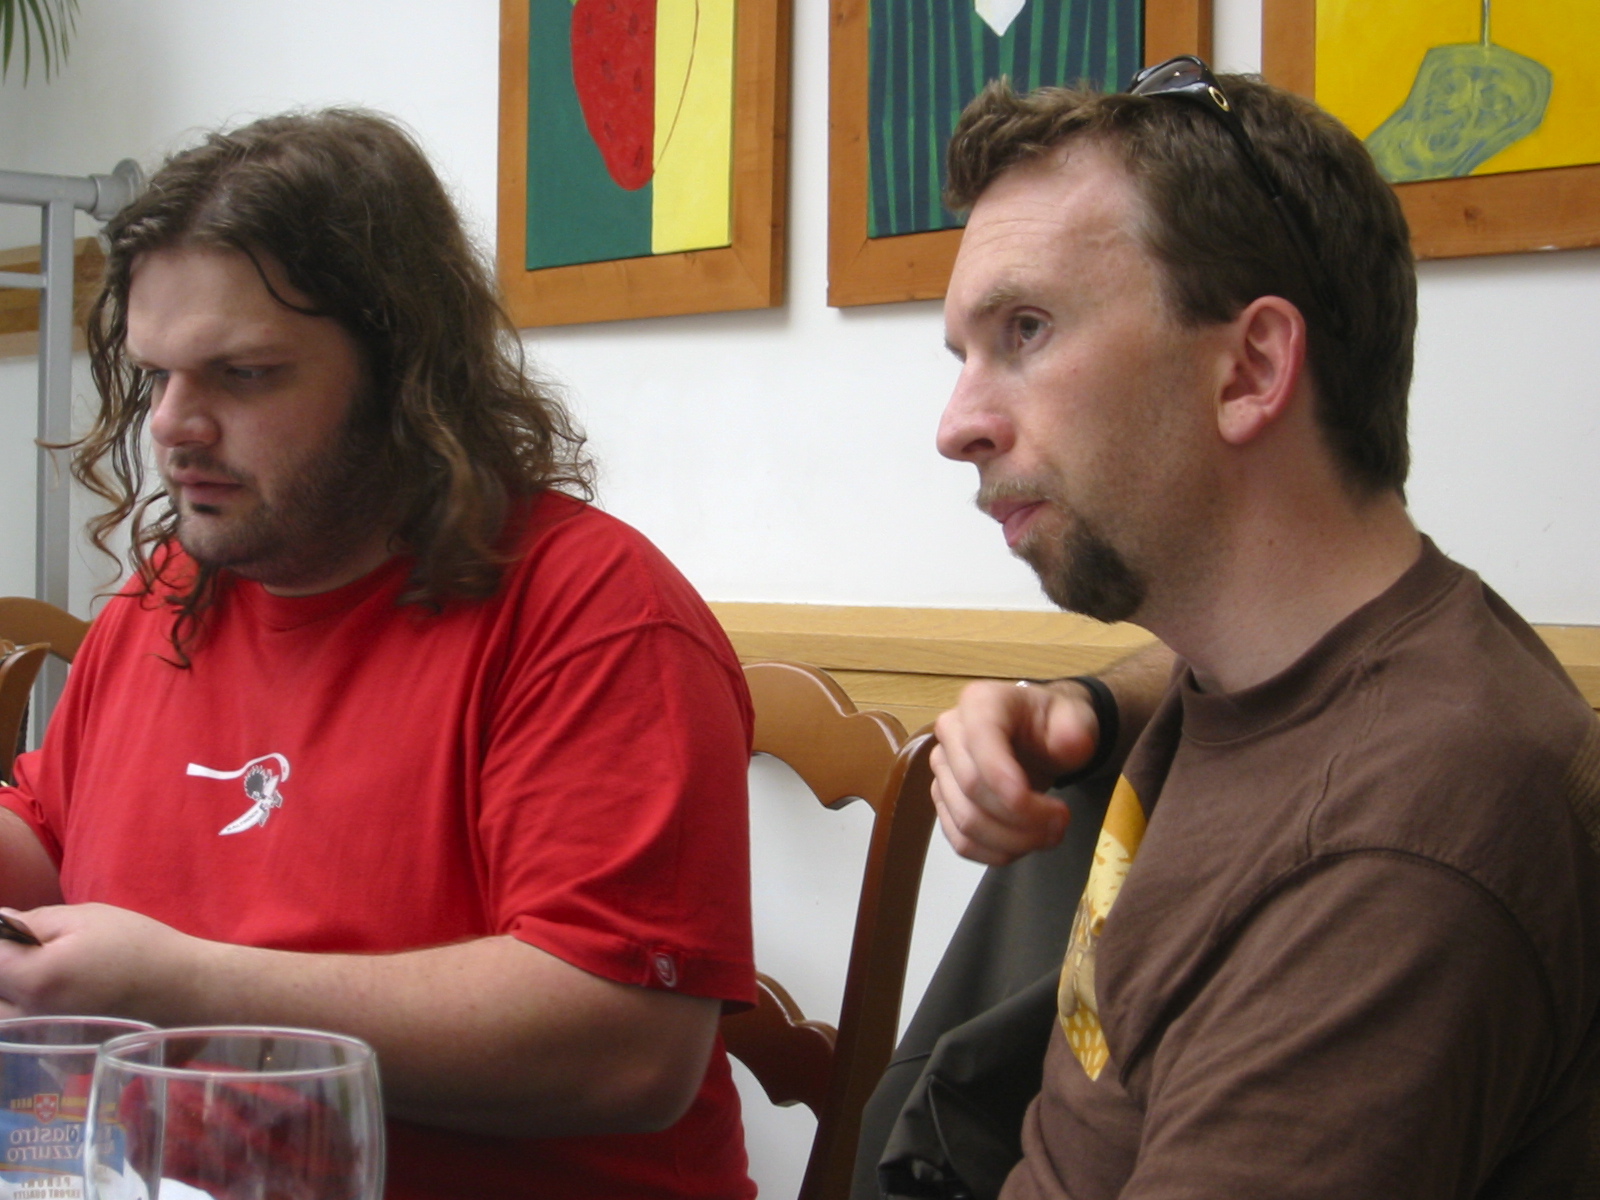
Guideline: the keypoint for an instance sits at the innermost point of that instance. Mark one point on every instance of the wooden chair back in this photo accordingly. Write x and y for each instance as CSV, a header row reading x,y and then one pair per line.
x,y
19,667
805,719
24,620
37,629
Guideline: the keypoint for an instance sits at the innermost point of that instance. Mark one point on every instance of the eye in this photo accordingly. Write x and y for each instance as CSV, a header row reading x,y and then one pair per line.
x,y
1028,326
247,374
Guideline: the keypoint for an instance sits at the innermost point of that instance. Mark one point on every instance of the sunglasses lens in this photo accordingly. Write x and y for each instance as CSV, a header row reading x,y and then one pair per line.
x,y
1167,76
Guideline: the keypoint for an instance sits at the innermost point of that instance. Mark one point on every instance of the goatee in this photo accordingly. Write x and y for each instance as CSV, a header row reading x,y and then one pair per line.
x,y
1089,577
1079,569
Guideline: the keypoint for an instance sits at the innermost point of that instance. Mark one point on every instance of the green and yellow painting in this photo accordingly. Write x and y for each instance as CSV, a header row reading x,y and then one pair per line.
x,y
928,58
1446,88
630,128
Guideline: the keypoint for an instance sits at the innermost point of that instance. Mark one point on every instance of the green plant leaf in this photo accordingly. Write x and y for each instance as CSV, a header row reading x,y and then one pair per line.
x,y
44,20
8,21
50,23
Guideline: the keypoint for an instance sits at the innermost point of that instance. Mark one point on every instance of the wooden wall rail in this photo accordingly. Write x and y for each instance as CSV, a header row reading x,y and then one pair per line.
x,y
913,662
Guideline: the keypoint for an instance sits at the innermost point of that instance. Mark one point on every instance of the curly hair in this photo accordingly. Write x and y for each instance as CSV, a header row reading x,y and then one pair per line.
x,y
346,203
1222,245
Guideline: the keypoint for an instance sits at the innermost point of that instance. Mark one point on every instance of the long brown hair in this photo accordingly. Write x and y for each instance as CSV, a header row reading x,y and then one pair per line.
x,y
347,205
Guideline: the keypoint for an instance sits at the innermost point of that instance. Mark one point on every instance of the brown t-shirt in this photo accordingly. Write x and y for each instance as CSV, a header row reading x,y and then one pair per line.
x,y
1357,954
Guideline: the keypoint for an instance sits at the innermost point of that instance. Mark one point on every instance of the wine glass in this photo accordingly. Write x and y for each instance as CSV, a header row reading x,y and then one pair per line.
x,y
45,1067
235,1113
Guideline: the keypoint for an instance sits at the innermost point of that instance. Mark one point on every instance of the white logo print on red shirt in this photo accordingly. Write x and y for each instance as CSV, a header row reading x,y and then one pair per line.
x,y
260,785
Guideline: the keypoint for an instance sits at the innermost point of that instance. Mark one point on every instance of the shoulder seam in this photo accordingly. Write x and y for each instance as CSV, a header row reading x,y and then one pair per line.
x,y
633,627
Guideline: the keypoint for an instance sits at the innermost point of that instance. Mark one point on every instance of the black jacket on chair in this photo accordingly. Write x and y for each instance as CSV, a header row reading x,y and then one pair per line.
x,y
945,1120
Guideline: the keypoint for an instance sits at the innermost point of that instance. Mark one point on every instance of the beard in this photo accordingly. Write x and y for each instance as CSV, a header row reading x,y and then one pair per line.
x,y
324,512
1078,567
1084,573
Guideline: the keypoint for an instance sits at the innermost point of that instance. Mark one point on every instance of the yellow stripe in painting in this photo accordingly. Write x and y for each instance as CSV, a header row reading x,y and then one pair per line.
x,y
693,183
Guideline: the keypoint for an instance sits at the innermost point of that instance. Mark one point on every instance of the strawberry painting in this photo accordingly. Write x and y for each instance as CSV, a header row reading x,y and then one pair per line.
x,y
630,129
614,74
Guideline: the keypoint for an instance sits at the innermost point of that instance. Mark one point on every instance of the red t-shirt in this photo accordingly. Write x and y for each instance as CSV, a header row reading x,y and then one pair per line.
x,y
564,762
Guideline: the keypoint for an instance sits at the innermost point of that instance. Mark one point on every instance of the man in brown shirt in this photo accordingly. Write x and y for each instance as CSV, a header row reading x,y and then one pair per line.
x,y
1342,934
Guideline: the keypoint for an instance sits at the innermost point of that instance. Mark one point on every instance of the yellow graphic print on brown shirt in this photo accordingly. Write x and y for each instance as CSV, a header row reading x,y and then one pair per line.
x,y
1076,1008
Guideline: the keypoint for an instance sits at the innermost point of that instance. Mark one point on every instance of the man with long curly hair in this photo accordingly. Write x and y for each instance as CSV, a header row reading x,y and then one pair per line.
x,y
389,732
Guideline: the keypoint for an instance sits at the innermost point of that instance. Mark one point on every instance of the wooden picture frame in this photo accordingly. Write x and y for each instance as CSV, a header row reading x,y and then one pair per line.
x,y
747,274
1553,209
916,266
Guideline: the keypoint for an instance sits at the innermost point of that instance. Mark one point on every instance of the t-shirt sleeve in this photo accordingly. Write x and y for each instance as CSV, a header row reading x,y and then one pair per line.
x,y
24,801
614,814
44,776
1377,1029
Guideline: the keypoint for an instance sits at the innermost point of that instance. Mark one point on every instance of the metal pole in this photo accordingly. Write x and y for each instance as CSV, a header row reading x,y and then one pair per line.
x,y
53,514
103,196
59,197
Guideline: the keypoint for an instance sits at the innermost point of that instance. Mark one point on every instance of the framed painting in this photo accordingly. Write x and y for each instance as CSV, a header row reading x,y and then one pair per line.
x,y
643,157
1481,112
900,73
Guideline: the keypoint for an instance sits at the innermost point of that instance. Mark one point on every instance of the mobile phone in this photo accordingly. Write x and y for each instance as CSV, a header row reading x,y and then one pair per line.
x,y
13,930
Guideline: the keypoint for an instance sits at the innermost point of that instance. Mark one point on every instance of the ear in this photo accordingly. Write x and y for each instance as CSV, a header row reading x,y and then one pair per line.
x,y
1268,350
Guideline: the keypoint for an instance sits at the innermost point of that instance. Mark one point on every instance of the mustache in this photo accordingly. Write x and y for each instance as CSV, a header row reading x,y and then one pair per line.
x,y
1007,491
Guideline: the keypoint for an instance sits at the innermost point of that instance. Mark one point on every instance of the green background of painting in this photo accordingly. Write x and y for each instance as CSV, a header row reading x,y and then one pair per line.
x,y
928,58
576,213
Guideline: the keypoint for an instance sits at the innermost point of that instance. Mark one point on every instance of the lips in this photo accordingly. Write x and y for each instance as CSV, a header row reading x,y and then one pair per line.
x,y
203,493
188,479
201,489
1015,516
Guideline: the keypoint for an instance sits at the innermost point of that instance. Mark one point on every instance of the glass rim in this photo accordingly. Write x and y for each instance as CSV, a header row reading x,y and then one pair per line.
x,y
111,1053
128,1025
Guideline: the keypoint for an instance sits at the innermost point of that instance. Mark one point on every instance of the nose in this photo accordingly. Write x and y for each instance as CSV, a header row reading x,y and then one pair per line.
x,y
972,428
179,415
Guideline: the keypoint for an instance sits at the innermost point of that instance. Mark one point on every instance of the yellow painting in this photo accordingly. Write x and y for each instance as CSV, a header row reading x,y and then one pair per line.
x,y
1443,88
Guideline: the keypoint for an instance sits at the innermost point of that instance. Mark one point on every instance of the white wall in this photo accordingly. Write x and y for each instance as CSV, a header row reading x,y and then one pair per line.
x,y
788,455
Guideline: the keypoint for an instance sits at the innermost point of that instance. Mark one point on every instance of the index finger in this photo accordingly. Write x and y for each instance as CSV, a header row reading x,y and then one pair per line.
x,y
978,741
987,805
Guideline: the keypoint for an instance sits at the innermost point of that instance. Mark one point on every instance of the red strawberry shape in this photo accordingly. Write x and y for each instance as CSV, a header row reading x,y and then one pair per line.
x,y
614,72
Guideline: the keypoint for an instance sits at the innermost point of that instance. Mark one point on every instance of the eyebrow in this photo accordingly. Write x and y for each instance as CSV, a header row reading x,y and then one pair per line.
x,y
1002,295
230,354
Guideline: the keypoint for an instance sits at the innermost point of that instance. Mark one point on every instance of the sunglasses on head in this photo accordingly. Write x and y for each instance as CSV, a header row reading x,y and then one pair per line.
x,y
1188,78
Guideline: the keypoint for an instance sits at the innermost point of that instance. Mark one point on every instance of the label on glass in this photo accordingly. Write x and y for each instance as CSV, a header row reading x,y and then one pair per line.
x,y
42,1114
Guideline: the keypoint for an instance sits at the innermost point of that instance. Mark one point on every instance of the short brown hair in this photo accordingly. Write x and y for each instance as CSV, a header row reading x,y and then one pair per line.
x,y
347,204
1222,243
